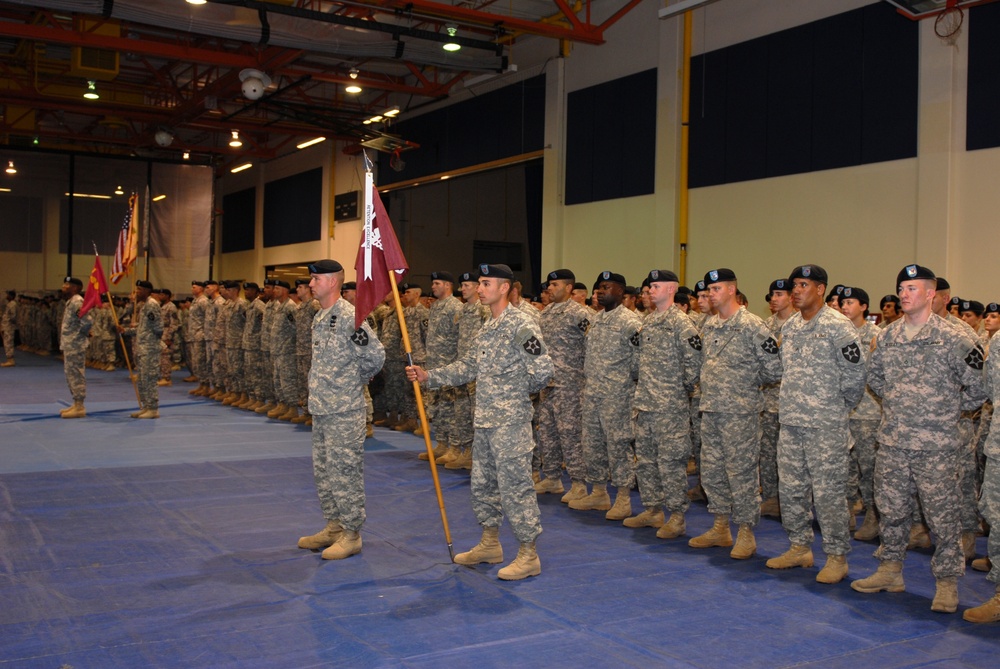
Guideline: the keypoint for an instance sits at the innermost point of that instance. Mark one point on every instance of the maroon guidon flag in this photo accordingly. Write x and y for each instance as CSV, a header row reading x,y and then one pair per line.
x,y
379,253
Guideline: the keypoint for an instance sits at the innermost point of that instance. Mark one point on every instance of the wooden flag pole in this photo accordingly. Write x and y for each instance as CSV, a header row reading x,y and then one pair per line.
x,y
421,412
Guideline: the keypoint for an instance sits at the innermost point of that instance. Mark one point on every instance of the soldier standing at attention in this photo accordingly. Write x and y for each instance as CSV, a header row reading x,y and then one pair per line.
x,y
508,362
823,379
343,360
171,335
779,298
147,328
9,325
924,370
669,364
196,337
73,342
740,356
442,350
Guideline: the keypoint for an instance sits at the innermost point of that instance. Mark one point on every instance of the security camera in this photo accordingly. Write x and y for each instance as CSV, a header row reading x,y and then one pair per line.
x,y
254,83
163,138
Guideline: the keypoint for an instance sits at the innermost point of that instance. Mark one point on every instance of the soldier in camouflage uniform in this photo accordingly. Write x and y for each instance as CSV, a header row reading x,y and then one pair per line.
x,y
171,335
865,417
9,328
925,371
250,343
282,349
823,379
779,297
395,362
344,358
442,350
220,360
610,365
508,362
147,329
669,365
211,313
564,324
416,316
196,333
304,314
73,343
268,390
236,379
740,355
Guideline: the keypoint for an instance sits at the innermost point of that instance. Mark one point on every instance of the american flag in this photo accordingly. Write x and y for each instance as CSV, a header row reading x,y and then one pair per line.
x,y
128,241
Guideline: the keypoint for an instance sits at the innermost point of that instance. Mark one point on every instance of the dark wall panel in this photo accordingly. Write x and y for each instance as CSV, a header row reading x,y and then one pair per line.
x,y
983,112
293,209
707,160
746,111
239,211
837,58
790,101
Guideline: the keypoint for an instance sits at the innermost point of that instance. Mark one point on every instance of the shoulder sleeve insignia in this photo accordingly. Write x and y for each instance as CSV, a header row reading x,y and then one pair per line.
x,y
852,353
532,345
360,337
769,345
975,357
695,342
634,339
151,316
583,325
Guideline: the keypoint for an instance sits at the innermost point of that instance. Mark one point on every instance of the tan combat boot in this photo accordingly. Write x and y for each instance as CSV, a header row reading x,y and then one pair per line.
x,y
524,565
651,517
869,528
302,418
325,537
982,564
279,410
987,612
164,382
346,545
408,425
550,484
796,556
9,362
488,549
369,428
461,461
622,508
450,454
746,544
597,499
919,537
136,414
888,577
292,413
969,546
834,571
770,507
419,431
439,450
265,408
149,413
577,490
673,528
75,411
718,535
946,595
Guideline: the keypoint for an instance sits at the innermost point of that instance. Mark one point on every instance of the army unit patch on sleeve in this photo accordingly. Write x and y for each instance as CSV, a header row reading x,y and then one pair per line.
x,y
769,345
533,346
151,316
695,342
360,337
975,357
852,352
583,325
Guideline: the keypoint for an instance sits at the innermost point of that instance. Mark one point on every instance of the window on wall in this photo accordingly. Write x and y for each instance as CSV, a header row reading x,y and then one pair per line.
x,y
834,93
611,139
983,110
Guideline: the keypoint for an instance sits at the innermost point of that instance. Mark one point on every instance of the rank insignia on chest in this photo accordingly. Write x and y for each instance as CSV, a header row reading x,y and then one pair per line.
x,y
769,345
851,352
533,346
360,337
333,321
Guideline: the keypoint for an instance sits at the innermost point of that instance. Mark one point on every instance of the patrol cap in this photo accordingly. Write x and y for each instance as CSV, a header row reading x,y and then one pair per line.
x,y
717,275
468,276
662,275
993,308
282,284
73,280
811,272
325,267
496,272
778,284
198,283
859,294
250,285
564,274
913,272
972,305
942,283
610,276
211,282
350,285
442,276
579,285
144,284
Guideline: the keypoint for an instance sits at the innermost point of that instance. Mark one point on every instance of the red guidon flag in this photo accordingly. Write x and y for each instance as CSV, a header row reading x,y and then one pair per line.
x,y
97,286
379,254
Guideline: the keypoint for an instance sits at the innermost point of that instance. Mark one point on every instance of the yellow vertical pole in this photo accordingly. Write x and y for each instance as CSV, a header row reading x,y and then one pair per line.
x,y
682,185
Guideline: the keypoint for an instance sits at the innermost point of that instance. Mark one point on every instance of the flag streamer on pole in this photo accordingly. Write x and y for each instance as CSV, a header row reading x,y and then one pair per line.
x,y
379,261
128,242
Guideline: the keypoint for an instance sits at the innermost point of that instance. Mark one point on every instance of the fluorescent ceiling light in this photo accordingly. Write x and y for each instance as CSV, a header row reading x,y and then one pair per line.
x,y
159,197
315,140
240,168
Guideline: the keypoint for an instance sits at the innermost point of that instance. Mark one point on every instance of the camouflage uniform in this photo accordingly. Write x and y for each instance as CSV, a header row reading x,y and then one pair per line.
x,y
612,351
921,384
283,353
304,314
376,386
864,427
9,327
669,366
470,322
508,362
564,326
416,324
236,379
442,350
196,331
343,361
740,355
395,362
147,329
171,330
769,425
268,388
253,359
823,379
989,498
220,363
73,343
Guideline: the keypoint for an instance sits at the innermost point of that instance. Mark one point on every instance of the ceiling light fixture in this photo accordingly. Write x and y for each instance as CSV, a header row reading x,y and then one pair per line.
x,y
119,191
187,155
392,112
315,140
354,73
10,167
240,168
236,142
352,88
5,190
451,45
91,93
159,197
196,2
